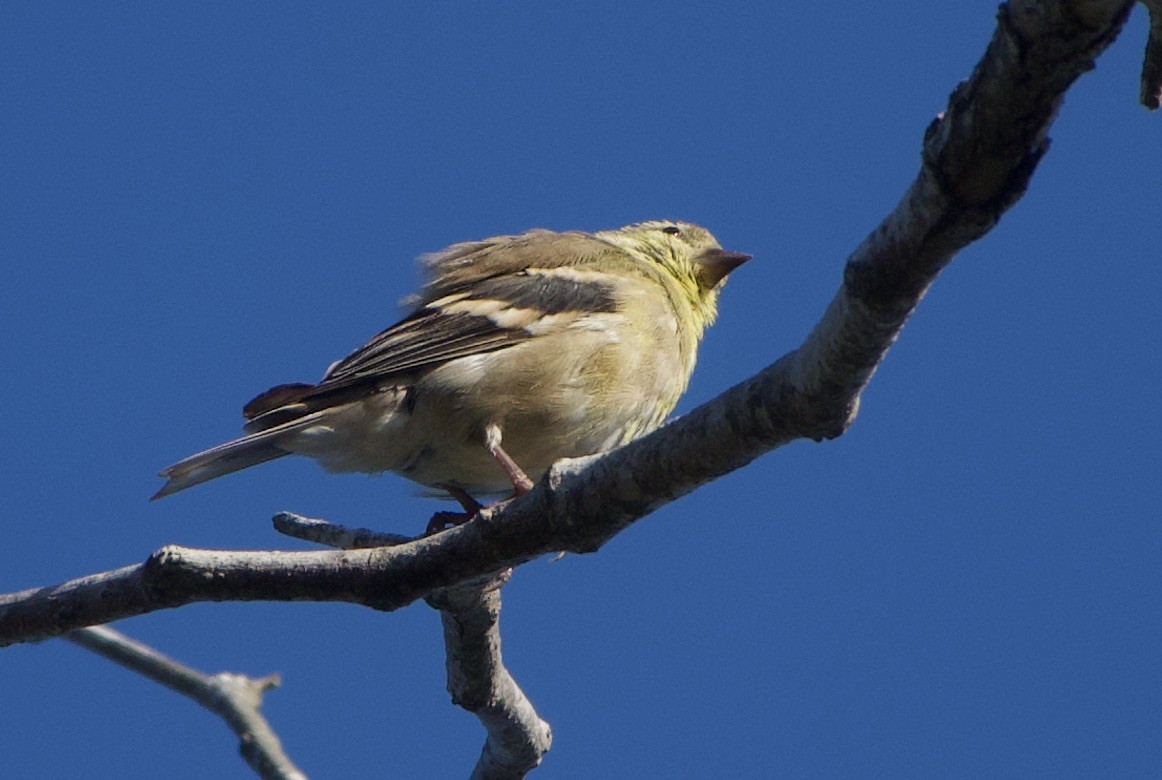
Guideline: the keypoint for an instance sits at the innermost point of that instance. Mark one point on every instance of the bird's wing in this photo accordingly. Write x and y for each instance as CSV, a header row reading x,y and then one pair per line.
x,y
480,297
483,296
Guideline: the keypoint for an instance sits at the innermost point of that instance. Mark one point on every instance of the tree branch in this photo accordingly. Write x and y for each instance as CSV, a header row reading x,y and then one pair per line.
x,y
1151,94
477,678
977,159
233,697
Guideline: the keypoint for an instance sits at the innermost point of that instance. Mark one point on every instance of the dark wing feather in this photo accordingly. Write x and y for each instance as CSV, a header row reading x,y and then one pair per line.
x,y
424,339
546,292
276,397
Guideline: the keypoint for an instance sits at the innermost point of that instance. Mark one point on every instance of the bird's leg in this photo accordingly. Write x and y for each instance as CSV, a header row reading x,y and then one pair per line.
x,y
470,504
521,483
441,520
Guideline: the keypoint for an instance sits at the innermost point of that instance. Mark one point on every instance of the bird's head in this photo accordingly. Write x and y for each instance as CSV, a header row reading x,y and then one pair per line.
x,y
688,253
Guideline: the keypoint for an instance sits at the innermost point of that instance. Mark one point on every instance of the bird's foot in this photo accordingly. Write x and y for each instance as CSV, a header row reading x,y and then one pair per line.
x,y
442,520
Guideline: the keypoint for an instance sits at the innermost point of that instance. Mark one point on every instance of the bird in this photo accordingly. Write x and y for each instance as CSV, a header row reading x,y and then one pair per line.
x,y
517,351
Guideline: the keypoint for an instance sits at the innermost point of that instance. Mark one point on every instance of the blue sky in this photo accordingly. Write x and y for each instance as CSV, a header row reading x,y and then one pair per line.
x,y
199,201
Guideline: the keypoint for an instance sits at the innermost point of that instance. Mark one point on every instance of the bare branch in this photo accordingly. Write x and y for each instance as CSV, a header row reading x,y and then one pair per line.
x,y
477,678
340,537
479,682
977,160
233,697
1151,95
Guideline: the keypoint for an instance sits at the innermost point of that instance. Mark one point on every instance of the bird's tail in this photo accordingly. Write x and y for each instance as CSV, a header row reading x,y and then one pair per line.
x,y
242,453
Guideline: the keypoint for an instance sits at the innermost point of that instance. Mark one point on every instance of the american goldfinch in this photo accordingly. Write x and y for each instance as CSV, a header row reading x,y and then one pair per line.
x,y
518,351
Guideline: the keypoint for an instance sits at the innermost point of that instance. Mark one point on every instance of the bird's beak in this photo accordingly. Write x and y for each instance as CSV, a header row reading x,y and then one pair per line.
x,y
713,265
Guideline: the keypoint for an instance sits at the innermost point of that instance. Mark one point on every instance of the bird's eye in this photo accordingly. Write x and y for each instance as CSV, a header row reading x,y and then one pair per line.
x,y
673,230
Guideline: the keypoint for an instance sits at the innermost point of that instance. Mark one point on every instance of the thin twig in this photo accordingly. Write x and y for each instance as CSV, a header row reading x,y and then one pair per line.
x,y
233,697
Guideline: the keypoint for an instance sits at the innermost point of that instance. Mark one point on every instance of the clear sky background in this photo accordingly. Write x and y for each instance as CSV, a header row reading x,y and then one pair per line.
x,y
198,201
